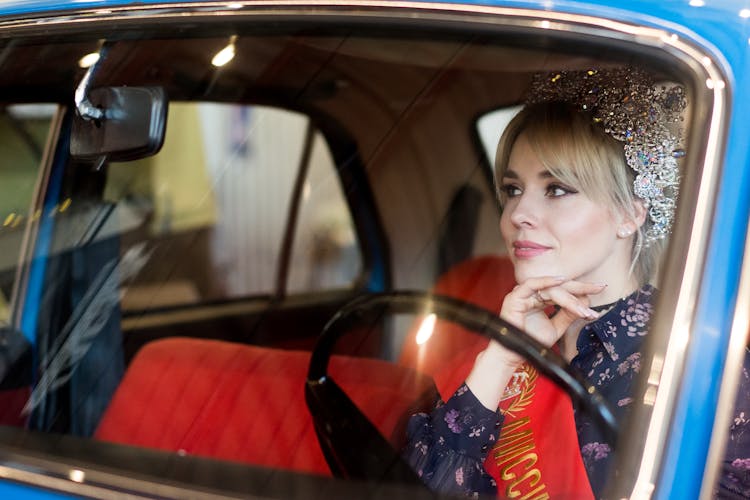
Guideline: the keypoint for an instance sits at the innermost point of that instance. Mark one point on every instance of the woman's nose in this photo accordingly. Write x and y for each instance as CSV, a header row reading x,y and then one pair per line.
x,y
524,213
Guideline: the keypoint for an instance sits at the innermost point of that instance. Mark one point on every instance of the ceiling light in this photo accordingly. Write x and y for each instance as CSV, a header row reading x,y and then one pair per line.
x,y
88,60
226,54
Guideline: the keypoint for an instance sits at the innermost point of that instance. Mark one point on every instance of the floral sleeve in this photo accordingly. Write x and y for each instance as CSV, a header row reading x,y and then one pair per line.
x,y
735,478
448,446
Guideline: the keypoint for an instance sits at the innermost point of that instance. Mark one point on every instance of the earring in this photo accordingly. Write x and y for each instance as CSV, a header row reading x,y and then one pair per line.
x,y
623,233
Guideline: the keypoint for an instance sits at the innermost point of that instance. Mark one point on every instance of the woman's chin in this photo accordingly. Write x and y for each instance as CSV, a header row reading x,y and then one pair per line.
x,y
525,271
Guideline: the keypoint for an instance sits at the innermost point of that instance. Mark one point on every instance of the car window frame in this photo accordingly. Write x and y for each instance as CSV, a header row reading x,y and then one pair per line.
x,y
690,235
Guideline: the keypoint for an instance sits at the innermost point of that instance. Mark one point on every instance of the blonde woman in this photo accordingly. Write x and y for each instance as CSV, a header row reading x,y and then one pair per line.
x,y
587,201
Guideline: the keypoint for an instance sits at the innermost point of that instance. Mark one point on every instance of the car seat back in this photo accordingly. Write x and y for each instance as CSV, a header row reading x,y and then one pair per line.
x,y
246,403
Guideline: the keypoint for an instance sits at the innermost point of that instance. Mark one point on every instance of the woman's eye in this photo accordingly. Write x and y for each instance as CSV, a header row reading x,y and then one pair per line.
x,y
511,190
555,190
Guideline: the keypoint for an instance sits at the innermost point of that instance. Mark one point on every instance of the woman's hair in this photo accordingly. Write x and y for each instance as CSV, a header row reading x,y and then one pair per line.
x,y
576,150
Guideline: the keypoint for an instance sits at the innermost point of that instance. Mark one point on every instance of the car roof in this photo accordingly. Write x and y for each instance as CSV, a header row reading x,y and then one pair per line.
x,y
722,22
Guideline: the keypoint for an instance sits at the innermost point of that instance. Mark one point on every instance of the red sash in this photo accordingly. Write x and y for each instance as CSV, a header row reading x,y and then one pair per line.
x,y
537,455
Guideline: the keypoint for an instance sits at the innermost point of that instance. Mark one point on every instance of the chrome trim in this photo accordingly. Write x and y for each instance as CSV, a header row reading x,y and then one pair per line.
x,y
682,272
535,19
730,380
128,488
691,232
59,484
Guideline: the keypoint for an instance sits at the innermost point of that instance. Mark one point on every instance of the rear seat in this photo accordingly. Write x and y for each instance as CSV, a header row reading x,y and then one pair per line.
x,y
245,403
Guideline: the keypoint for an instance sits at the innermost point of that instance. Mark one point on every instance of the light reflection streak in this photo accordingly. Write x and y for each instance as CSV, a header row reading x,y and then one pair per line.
x,y
426,329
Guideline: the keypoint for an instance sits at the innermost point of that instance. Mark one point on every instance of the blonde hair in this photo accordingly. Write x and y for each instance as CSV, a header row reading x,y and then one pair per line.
x,y
576,150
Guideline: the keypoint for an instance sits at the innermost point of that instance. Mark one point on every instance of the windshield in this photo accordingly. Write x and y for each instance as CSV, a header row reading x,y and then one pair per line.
x,y
171,304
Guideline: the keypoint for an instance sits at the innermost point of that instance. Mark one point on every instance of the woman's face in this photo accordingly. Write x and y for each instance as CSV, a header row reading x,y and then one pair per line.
x,y
551,229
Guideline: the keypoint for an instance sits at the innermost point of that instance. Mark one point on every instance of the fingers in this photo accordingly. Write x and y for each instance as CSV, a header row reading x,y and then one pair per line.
x,y
570,295
572,303
528,288
527,297
581,288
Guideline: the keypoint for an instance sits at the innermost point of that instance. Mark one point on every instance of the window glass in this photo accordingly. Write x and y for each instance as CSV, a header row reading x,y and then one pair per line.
x,y
490,127
218,198
24,129
326,254
184,295
24,134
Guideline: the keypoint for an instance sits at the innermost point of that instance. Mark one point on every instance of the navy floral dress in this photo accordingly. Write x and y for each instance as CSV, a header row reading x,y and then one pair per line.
x,y
447,447
734,482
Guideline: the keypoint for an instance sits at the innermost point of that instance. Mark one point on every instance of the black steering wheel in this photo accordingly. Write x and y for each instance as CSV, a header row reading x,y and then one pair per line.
x,y
353,446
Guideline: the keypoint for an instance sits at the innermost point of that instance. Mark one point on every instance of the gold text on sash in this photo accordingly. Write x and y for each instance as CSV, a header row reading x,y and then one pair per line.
x,y
516,458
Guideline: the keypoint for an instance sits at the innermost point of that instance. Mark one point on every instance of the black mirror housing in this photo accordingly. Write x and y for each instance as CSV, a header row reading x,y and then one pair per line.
x,y
133,125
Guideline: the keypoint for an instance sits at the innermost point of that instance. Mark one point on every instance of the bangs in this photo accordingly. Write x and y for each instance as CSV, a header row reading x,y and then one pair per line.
x,y
577,151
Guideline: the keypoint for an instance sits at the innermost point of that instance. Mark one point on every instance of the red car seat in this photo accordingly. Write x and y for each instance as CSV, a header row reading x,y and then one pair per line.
x,y
245,403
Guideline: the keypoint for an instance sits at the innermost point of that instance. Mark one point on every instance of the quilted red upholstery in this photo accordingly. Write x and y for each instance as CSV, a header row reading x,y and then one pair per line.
x,y
450,352
244,403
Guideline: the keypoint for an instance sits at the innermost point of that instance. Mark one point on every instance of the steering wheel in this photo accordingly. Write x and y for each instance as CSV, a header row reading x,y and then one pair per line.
x,y
340,424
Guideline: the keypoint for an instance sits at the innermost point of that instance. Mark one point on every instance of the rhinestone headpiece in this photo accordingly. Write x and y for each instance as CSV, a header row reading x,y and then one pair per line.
x,y
633,110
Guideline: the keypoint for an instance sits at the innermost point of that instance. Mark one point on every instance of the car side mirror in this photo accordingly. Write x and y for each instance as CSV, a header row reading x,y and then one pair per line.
x,y
128,123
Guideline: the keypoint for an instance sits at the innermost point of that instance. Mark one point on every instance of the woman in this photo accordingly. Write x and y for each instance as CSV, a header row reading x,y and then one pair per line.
x,y
587,178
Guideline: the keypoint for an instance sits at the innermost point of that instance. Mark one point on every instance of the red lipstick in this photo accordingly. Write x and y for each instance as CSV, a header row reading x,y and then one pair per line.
x,y
528,249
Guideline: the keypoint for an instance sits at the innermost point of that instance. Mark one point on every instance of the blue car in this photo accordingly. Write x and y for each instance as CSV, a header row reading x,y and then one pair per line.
x,y
243,242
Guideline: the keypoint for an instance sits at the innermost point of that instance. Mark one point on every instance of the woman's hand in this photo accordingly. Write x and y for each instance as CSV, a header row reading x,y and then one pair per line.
x,y
524,307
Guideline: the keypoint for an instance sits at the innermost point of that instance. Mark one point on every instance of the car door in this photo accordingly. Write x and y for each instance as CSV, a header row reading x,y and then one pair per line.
x,y
166,309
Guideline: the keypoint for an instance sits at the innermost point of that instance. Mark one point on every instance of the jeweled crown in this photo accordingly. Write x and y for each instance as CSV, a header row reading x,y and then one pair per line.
x,y
645,117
